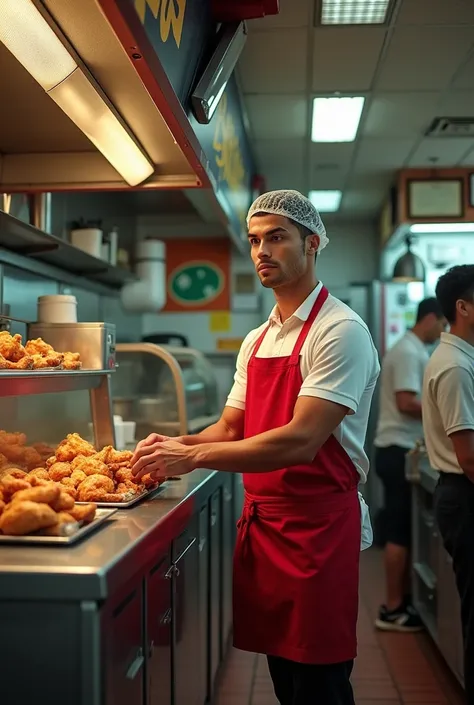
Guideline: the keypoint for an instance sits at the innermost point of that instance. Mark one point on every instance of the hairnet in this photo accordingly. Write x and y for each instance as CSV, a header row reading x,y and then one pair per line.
x,y
291,204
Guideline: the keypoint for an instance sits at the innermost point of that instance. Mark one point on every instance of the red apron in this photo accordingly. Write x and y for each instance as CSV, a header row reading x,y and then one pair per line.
x,y
296,563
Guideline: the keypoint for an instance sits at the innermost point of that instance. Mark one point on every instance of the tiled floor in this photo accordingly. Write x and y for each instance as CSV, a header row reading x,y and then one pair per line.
x,y
392,669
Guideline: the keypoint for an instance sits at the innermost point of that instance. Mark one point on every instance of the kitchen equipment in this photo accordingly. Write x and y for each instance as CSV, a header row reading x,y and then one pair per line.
x,y
109,246
166,339
88,240
153,410
129,429
148,494
95,342
119,435
60,308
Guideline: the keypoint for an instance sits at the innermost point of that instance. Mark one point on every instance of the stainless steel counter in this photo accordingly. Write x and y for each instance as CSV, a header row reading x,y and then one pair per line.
x,y
95,568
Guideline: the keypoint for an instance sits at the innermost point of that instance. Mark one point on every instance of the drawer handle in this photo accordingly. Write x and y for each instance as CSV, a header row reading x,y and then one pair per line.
x,y
166,618
202,543
172,571
151,648
227,495
181,555
213,519
136,665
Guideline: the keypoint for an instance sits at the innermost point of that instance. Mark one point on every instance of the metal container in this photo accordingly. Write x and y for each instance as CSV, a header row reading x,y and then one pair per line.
x,y
82,531
95,342
153,410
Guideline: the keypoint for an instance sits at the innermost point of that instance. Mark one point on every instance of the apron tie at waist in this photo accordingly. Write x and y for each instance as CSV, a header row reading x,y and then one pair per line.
x,y
249,514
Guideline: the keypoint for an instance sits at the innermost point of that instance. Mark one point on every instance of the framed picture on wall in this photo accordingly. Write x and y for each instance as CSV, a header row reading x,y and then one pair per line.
x,y
471,190
436,198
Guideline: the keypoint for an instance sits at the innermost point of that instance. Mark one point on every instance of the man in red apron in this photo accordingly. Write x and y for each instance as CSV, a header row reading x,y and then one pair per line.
x,y
294,425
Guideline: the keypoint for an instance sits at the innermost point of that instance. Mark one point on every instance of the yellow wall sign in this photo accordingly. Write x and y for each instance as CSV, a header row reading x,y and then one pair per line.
x,y
229,344
170,14
219,321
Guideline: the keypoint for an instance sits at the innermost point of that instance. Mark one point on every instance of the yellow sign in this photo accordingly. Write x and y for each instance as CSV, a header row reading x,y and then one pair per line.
x,y
229,154
171,14
229,344
219,321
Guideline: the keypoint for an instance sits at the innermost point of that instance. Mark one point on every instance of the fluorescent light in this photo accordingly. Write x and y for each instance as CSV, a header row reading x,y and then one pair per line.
x,y
354,11
81,102
30,39
336,119
27,34
418,228
326,201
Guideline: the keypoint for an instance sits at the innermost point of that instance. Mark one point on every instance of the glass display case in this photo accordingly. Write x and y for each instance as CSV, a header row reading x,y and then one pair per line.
x,y
164,389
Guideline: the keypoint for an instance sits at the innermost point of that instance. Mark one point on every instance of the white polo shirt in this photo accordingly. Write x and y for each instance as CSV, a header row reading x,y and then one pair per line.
x,y
448,400
403,368
338,362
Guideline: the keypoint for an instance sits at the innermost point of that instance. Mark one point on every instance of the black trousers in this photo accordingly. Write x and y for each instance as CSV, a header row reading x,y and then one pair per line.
x,y
390,467
303,684
454,506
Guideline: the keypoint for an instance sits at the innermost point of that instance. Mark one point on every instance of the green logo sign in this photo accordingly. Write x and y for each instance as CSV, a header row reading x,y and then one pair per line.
x,y
196,283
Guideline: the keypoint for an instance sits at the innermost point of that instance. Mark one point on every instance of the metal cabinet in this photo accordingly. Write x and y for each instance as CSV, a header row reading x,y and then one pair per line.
x,y
228,528
159,632
449,615
124,650
185,600
215,580
204,626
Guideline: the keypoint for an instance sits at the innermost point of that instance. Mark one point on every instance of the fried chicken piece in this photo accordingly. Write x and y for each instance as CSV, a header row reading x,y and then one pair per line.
x,y
11,347
58,528
10,485
84,512
18,474
126,487
77,477
123,474
14,453
43,449
2,506
38,481
50,461
94,487
31,458
68,482
90,465
52,360
72,446
24,363
37,346
22,518
72,361
63,503
59,471
110,456
71,491
40,473
148,482
43,494
12,439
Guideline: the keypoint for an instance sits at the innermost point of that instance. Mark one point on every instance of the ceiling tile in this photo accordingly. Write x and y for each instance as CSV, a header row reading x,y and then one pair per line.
x,y
443,12
367,201
277,116
465,79
293,13
399,114
326,155
286,179
377,154
440,152
424,58
457,104
274,62
280,154
468,159
344,59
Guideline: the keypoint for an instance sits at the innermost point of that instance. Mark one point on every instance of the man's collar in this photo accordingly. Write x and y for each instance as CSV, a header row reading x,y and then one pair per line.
x,y
302,312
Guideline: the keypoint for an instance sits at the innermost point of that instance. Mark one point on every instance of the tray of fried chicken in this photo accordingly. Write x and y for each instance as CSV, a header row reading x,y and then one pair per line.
x,y
34,355
35,511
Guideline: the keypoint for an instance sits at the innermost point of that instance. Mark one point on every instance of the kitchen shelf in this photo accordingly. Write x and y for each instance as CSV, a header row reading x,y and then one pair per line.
x,y
26,240
28,383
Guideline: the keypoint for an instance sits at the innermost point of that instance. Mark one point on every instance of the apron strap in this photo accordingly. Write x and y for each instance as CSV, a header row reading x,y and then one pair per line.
x,y
318,304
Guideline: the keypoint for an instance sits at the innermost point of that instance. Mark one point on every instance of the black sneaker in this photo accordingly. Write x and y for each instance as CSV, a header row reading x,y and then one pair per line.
x,y
405,619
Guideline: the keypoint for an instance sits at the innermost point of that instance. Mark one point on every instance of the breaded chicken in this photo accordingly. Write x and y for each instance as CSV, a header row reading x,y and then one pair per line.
x,y
22,518
43,494
72,446
94,487
59,471
83,512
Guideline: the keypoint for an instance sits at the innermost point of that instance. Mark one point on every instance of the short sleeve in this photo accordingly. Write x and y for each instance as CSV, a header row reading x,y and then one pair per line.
x,y
407,372
237,395
454,396
344,363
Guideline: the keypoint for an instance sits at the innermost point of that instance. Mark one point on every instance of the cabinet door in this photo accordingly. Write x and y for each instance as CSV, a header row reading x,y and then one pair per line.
x,y
228,524
187,676
215,537
204,626
125,651
159,634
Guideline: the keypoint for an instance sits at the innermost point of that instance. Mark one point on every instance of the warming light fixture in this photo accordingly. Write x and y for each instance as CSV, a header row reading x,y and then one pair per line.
x,y
28,36
354,11
419,228
409,268
336,119
326,201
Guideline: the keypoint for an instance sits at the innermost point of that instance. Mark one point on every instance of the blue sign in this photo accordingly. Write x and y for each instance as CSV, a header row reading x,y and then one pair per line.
x,y
179,32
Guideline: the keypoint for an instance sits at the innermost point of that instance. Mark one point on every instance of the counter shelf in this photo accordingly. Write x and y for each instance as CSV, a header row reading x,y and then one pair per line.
x,y
164,389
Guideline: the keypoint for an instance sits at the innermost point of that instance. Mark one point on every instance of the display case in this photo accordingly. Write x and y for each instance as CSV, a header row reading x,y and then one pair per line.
x,y
163,389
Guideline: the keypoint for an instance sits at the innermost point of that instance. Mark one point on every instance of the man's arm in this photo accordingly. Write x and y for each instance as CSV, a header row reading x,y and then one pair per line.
x,y
454,395
407,384
408,404
230,427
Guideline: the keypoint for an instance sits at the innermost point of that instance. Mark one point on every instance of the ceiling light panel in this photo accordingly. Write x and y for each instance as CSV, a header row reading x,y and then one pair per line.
x,y
422,228
336,119
337,12
326,201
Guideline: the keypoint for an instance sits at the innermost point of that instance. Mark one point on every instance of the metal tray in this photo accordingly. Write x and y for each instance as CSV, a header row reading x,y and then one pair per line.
x,y
101,516
131,502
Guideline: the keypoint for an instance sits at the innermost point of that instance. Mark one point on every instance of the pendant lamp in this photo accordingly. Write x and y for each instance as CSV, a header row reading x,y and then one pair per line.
x,y
409,268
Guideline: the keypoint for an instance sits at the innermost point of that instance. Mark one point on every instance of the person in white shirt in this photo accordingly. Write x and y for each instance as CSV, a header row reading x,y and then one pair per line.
x,y
294,425
448,422
399,427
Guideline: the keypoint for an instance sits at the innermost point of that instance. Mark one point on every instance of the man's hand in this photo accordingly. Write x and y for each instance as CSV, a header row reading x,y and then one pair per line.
x,y
167,458
150,440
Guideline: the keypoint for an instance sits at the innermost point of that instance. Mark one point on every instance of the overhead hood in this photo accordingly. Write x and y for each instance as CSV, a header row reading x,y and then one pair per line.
x,y
42,149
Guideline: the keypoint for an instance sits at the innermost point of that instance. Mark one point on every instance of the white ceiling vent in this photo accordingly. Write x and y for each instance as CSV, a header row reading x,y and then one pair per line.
x,y
451,127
